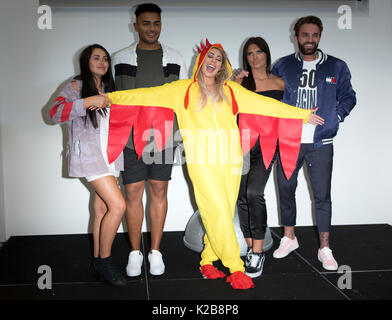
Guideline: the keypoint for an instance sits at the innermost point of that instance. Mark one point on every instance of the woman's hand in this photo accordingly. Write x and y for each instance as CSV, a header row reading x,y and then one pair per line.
x,y
314,118
239,74
96,102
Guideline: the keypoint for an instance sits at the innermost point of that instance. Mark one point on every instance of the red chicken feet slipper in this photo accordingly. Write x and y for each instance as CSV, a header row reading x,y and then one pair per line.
x,y
210,272
240,280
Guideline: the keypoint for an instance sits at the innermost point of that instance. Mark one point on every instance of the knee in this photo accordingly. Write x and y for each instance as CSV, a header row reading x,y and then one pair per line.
x,y
117,207
322,196
287,191
100,209
322,200
134,192
254,195
287,185
242,198
158,189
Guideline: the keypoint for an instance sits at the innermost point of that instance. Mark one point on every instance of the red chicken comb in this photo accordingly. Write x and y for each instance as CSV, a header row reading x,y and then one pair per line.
x,y
203,47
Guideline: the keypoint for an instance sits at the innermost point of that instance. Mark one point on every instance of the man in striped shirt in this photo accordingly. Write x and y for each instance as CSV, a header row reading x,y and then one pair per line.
x,y
147,63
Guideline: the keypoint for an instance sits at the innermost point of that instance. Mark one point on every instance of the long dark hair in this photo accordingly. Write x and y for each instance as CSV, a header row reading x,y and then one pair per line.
x,y
88,85
249,81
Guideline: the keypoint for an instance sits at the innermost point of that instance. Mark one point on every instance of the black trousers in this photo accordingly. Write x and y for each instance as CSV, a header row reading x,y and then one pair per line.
x,y
319,166
252,211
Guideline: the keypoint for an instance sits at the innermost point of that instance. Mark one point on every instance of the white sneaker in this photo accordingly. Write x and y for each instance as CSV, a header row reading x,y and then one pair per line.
x,y
157,267
285,247
135,262
325,256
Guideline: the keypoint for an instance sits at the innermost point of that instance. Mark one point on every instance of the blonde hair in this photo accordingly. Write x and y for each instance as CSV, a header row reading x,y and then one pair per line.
x,y
220,78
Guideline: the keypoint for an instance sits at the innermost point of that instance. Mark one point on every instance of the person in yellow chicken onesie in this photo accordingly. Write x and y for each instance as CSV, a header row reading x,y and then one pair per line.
x,y
206,107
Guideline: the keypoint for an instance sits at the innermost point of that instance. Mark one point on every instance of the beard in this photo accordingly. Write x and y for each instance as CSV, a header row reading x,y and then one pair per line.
x,y
307,51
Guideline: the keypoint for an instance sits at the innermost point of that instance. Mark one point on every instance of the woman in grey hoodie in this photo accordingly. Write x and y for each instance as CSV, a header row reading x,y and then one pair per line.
x,y
86,115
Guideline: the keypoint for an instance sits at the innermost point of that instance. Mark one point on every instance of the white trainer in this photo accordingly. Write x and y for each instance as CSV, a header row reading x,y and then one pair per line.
x,y
286,246
157,267
325,256
135,262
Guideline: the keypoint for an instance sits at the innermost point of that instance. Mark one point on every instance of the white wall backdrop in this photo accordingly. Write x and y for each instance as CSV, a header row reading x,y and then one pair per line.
x,y
37,198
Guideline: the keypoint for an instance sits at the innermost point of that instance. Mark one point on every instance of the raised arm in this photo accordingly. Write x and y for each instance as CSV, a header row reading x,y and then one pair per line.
x,y
270,120
169,95
253,103
142,109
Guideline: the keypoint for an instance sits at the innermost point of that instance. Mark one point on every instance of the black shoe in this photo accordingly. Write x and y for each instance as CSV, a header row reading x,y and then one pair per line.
x,y
107,272
248,257
254,268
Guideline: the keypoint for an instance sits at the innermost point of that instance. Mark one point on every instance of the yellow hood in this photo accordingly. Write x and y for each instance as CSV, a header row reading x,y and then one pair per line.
x,y
203,51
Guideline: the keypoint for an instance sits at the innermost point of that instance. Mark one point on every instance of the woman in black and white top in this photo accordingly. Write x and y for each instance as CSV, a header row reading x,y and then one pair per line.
x,y
252,211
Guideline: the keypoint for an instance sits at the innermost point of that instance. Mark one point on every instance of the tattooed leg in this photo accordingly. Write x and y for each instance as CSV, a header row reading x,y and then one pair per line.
x,y
289,232
324,239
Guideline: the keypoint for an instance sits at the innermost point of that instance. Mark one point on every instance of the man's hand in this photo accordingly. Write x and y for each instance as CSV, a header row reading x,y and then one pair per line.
x,y
315,119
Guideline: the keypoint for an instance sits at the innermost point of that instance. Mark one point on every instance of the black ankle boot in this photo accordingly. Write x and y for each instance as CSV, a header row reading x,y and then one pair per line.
x,y
107,272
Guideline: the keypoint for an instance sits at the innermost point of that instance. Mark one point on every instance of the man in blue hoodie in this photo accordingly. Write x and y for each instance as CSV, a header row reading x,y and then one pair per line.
x,y
313,79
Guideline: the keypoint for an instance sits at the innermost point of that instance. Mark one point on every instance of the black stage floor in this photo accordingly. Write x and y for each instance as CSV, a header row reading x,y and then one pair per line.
x,y
366,250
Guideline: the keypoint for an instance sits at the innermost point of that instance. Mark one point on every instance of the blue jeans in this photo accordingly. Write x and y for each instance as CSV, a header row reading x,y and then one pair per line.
x,y
319,166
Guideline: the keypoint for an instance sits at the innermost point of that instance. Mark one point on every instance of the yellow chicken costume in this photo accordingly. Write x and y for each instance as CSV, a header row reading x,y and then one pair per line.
x,y
212,148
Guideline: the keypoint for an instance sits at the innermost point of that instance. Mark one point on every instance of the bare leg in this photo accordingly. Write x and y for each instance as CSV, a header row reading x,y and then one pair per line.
x,y
257,246
249,242
107,188
158,210
289,232
134,212
100,210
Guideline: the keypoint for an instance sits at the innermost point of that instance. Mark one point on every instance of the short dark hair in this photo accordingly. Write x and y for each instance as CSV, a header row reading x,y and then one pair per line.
x,y
308,20
147,7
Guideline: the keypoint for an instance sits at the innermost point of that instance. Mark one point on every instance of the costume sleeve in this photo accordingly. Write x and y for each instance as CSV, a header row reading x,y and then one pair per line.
x,y
166,96
142,109
65,108
270,120
252,103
